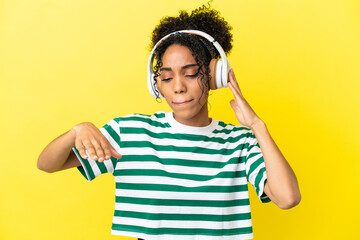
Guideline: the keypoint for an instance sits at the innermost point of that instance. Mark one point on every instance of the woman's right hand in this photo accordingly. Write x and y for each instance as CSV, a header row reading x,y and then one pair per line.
x,y
88,137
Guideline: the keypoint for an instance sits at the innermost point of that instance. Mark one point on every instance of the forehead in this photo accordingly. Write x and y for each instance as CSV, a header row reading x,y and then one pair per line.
x,y
177,55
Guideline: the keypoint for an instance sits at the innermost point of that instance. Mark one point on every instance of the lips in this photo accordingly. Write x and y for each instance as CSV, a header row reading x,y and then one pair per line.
x,y
182,102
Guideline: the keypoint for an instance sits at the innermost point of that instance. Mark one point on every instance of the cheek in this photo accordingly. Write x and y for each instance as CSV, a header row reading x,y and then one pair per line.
x,y
202,96
163,89
159,87
202,89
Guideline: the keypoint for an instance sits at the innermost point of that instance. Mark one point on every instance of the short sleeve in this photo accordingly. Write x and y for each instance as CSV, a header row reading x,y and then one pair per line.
x,y
255,168
90,168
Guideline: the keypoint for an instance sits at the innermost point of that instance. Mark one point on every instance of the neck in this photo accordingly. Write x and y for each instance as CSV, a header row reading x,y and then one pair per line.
x,y
201,119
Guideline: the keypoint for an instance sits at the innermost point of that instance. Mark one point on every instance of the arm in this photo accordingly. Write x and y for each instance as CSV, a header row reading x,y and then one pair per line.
x,y
58,155
281,185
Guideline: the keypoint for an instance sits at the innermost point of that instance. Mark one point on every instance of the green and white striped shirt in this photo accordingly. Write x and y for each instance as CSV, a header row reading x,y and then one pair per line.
x,y
178,182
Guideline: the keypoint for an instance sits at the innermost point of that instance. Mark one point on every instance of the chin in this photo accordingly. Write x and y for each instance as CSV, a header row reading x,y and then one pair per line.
x,y
188,112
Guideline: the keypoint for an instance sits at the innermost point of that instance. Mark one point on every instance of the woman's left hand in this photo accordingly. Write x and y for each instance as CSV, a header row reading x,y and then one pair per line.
x,y
244,113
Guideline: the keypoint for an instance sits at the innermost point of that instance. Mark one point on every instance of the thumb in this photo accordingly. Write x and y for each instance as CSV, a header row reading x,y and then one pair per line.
x,y
114,153
233,104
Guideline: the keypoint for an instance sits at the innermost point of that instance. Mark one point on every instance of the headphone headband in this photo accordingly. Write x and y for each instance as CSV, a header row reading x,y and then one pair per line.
x,y
221,81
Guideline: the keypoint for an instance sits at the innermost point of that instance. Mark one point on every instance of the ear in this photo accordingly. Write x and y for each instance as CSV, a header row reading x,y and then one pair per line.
x,y
212,65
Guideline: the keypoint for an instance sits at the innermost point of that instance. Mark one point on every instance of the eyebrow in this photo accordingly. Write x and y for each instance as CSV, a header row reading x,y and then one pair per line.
x,y
183,67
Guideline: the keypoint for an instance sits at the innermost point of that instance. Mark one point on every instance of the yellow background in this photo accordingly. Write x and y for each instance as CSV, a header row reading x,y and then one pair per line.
x,y
63,62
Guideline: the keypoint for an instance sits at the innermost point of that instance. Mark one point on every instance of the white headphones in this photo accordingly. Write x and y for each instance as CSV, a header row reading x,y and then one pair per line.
x,y
222,66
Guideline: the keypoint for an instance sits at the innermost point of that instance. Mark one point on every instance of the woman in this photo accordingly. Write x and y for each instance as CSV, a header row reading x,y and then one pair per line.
x,y
182,175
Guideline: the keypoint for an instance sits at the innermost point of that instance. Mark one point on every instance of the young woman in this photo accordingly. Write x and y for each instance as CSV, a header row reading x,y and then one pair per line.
x,y
180,174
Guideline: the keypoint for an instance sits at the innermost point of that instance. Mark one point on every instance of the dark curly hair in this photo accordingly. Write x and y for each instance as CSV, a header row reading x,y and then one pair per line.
x,y
203,19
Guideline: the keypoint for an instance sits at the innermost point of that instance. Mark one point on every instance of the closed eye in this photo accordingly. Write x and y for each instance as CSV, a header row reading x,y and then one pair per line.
x,y
193,76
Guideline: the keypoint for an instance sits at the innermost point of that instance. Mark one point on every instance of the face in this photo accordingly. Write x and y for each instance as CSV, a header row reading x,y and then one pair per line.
x,y
179,83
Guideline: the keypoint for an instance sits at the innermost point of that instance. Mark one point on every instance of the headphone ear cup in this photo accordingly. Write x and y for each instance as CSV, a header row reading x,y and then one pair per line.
x,y
225,74
212,66
150,85
219,75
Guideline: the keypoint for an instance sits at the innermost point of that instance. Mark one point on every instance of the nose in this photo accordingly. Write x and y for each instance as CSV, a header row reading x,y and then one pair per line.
x,y
179,85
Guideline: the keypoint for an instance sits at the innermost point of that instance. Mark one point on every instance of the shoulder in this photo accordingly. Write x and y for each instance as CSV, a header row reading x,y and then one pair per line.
x,y
229,128
239,133
156,119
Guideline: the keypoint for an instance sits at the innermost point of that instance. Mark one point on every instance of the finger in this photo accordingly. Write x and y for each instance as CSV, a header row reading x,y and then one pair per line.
x,y
233,78
99,150
90,148
234,91
114,153
232,84
107,152
234,81
107,148
80,147
233,105
239,101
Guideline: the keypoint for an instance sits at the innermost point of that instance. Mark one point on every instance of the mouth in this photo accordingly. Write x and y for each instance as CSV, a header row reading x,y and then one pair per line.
x,y
182,103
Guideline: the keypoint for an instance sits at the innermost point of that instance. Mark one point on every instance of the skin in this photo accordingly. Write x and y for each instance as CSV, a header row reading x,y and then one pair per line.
x,y
178,84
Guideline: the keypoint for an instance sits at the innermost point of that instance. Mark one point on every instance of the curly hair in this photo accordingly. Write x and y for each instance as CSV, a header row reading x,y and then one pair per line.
x,y
203,19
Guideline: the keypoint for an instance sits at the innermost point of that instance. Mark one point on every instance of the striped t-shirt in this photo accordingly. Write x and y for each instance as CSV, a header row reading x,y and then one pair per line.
x,y
179,182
